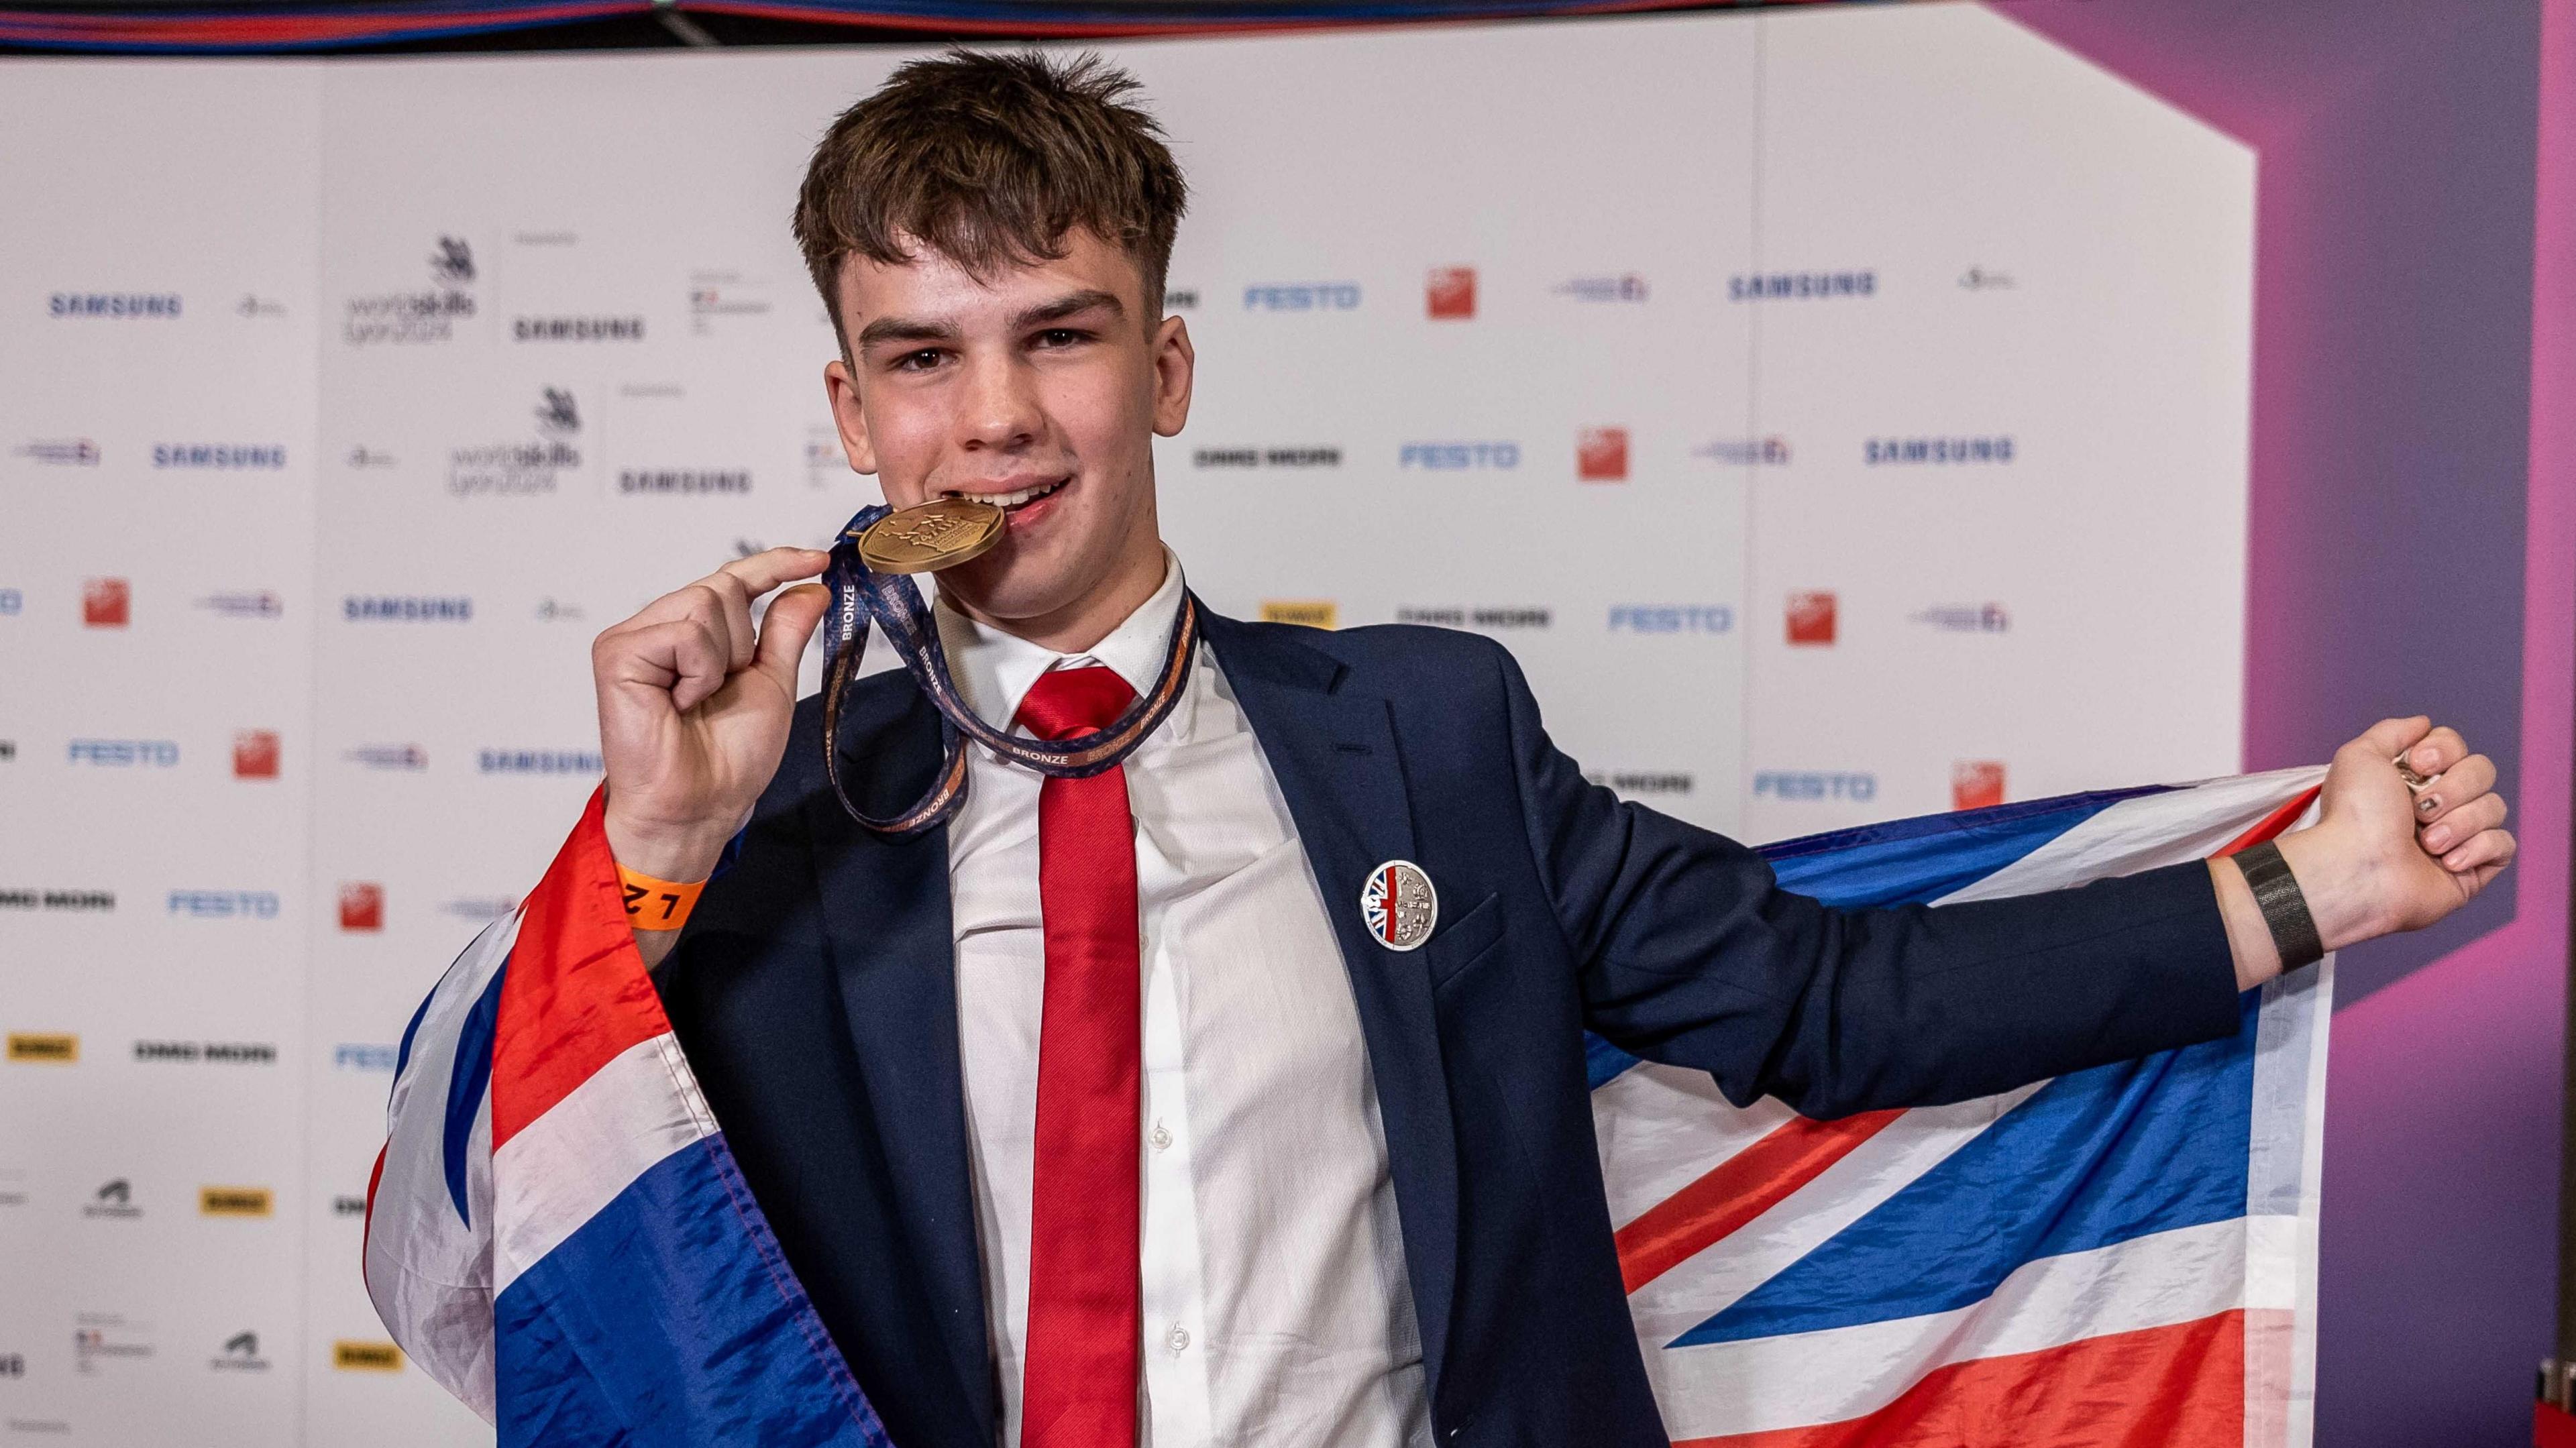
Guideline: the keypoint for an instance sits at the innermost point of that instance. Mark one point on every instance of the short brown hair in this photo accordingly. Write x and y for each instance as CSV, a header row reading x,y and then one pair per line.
x,y
989,160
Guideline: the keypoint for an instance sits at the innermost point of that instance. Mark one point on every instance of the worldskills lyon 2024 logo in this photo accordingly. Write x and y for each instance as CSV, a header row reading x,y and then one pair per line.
x,y
413,317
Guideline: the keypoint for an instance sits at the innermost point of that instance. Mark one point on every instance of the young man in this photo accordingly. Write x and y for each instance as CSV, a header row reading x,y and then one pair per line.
x,y
1098,1115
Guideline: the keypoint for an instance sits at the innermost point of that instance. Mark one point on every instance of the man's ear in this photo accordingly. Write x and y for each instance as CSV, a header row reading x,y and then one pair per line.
x,y
842,387
1175,370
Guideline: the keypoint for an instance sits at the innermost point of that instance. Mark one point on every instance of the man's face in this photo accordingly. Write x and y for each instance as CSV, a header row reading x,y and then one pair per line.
x,y
1039,387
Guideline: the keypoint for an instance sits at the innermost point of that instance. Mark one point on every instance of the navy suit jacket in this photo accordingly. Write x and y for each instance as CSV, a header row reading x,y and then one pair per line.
x,y
814,991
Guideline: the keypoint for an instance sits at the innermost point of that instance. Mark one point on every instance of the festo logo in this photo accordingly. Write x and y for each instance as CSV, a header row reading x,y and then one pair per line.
x,y
44,1048
126,306
1449,294
363,1056
1458,456
255,753
125,753
1936,451
106,603
224,904
1601,455
1672,618
1811,619
362,906
84,902
234,1202
1302,297
1805,785
1976,784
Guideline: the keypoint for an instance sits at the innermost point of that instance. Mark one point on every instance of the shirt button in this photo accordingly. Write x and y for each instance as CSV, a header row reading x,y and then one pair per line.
x,y
1162,1136
1178,1339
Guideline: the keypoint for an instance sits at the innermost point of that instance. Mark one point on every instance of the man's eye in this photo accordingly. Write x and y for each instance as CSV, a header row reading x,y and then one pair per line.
x,y
921,361
1059,337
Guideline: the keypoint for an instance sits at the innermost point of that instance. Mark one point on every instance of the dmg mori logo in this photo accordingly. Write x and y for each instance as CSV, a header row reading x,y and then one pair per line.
x,y
1310,612
366,1357
234,1202
44,1048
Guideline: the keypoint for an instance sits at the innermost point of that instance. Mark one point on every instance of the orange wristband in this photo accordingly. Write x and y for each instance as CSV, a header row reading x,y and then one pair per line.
x,y
653,904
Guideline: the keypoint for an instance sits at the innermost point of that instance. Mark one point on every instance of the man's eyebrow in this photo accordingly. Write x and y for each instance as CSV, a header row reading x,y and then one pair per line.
x,y
904,329
1067,306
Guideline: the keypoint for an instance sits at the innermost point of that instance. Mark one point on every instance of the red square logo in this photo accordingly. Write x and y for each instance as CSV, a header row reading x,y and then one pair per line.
x,y
1601,455
105,603
1811,618
362,906
255,754
1976,784
1451,294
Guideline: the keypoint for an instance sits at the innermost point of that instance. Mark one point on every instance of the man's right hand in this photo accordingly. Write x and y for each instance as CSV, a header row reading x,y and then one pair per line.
x,y
694,709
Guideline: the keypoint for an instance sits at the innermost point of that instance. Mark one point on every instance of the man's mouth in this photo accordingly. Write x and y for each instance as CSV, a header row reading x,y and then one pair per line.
x,y
1010,500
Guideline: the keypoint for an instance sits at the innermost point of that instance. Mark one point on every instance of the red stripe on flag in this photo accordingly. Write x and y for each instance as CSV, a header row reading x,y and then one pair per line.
x,y
1737,1190
576,994
2164,1387
2271,824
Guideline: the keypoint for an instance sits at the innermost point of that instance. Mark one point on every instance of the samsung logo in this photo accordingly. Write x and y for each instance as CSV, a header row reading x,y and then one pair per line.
x,y
577,329
682,480
1800,285
539,761
225,904
1455,456
405,608
1882,451
1810,784
125,753
1672,618
113,304
218,455
1302,297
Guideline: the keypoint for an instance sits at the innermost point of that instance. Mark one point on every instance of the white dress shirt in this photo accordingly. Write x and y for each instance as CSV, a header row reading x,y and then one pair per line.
x,y
1276,1307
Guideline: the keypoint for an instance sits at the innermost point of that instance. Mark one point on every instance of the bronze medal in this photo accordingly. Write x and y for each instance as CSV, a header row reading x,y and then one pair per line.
x,y
941,533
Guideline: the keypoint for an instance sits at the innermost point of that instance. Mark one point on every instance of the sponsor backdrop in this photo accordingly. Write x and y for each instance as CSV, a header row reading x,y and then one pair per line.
x,y
1830,439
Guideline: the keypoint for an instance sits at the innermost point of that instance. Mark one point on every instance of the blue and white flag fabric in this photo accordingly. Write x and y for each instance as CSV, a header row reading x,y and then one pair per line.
x,y
558,1233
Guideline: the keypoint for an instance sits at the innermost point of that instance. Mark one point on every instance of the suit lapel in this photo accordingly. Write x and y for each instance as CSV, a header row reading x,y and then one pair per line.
x,y
1335,757
886,909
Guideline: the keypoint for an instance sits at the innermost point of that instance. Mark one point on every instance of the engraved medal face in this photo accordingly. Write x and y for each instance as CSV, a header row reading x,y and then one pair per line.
x,y
1399,905
941,533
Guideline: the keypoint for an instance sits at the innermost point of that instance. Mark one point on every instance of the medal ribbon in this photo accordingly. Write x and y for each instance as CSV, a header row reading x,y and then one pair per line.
x,y
861,595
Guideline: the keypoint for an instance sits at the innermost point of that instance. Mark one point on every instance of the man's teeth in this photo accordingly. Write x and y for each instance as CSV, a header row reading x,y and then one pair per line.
x,y
1010,500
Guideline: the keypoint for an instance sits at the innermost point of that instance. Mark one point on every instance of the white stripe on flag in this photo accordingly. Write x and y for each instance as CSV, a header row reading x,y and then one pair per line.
x,y
2143,833
564,1166
1800,1379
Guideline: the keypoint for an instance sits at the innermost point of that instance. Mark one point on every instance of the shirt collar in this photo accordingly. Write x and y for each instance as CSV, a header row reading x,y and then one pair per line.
x,y
994,670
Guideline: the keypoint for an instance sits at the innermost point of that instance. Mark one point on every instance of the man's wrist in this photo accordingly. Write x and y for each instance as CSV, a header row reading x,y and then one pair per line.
x,y
681,854
2339,885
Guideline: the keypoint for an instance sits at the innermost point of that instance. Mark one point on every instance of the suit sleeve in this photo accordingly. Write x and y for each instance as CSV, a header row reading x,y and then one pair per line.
x,y
1690,953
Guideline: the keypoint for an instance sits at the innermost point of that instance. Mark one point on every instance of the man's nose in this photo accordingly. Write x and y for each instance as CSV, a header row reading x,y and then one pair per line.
x,y
998,407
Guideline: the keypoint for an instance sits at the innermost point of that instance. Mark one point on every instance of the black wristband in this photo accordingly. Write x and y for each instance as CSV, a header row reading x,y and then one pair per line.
x,y
2285,909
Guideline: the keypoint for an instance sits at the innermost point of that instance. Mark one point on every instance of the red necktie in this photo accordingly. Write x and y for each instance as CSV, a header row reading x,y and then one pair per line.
x,y
1084,1352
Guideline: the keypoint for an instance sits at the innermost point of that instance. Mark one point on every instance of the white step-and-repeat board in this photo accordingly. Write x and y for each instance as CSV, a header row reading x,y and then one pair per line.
x,y
1841,414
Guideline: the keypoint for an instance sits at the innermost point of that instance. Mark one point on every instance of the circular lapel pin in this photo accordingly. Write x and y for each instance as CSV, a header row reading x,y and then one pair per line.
x,y
1399,905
